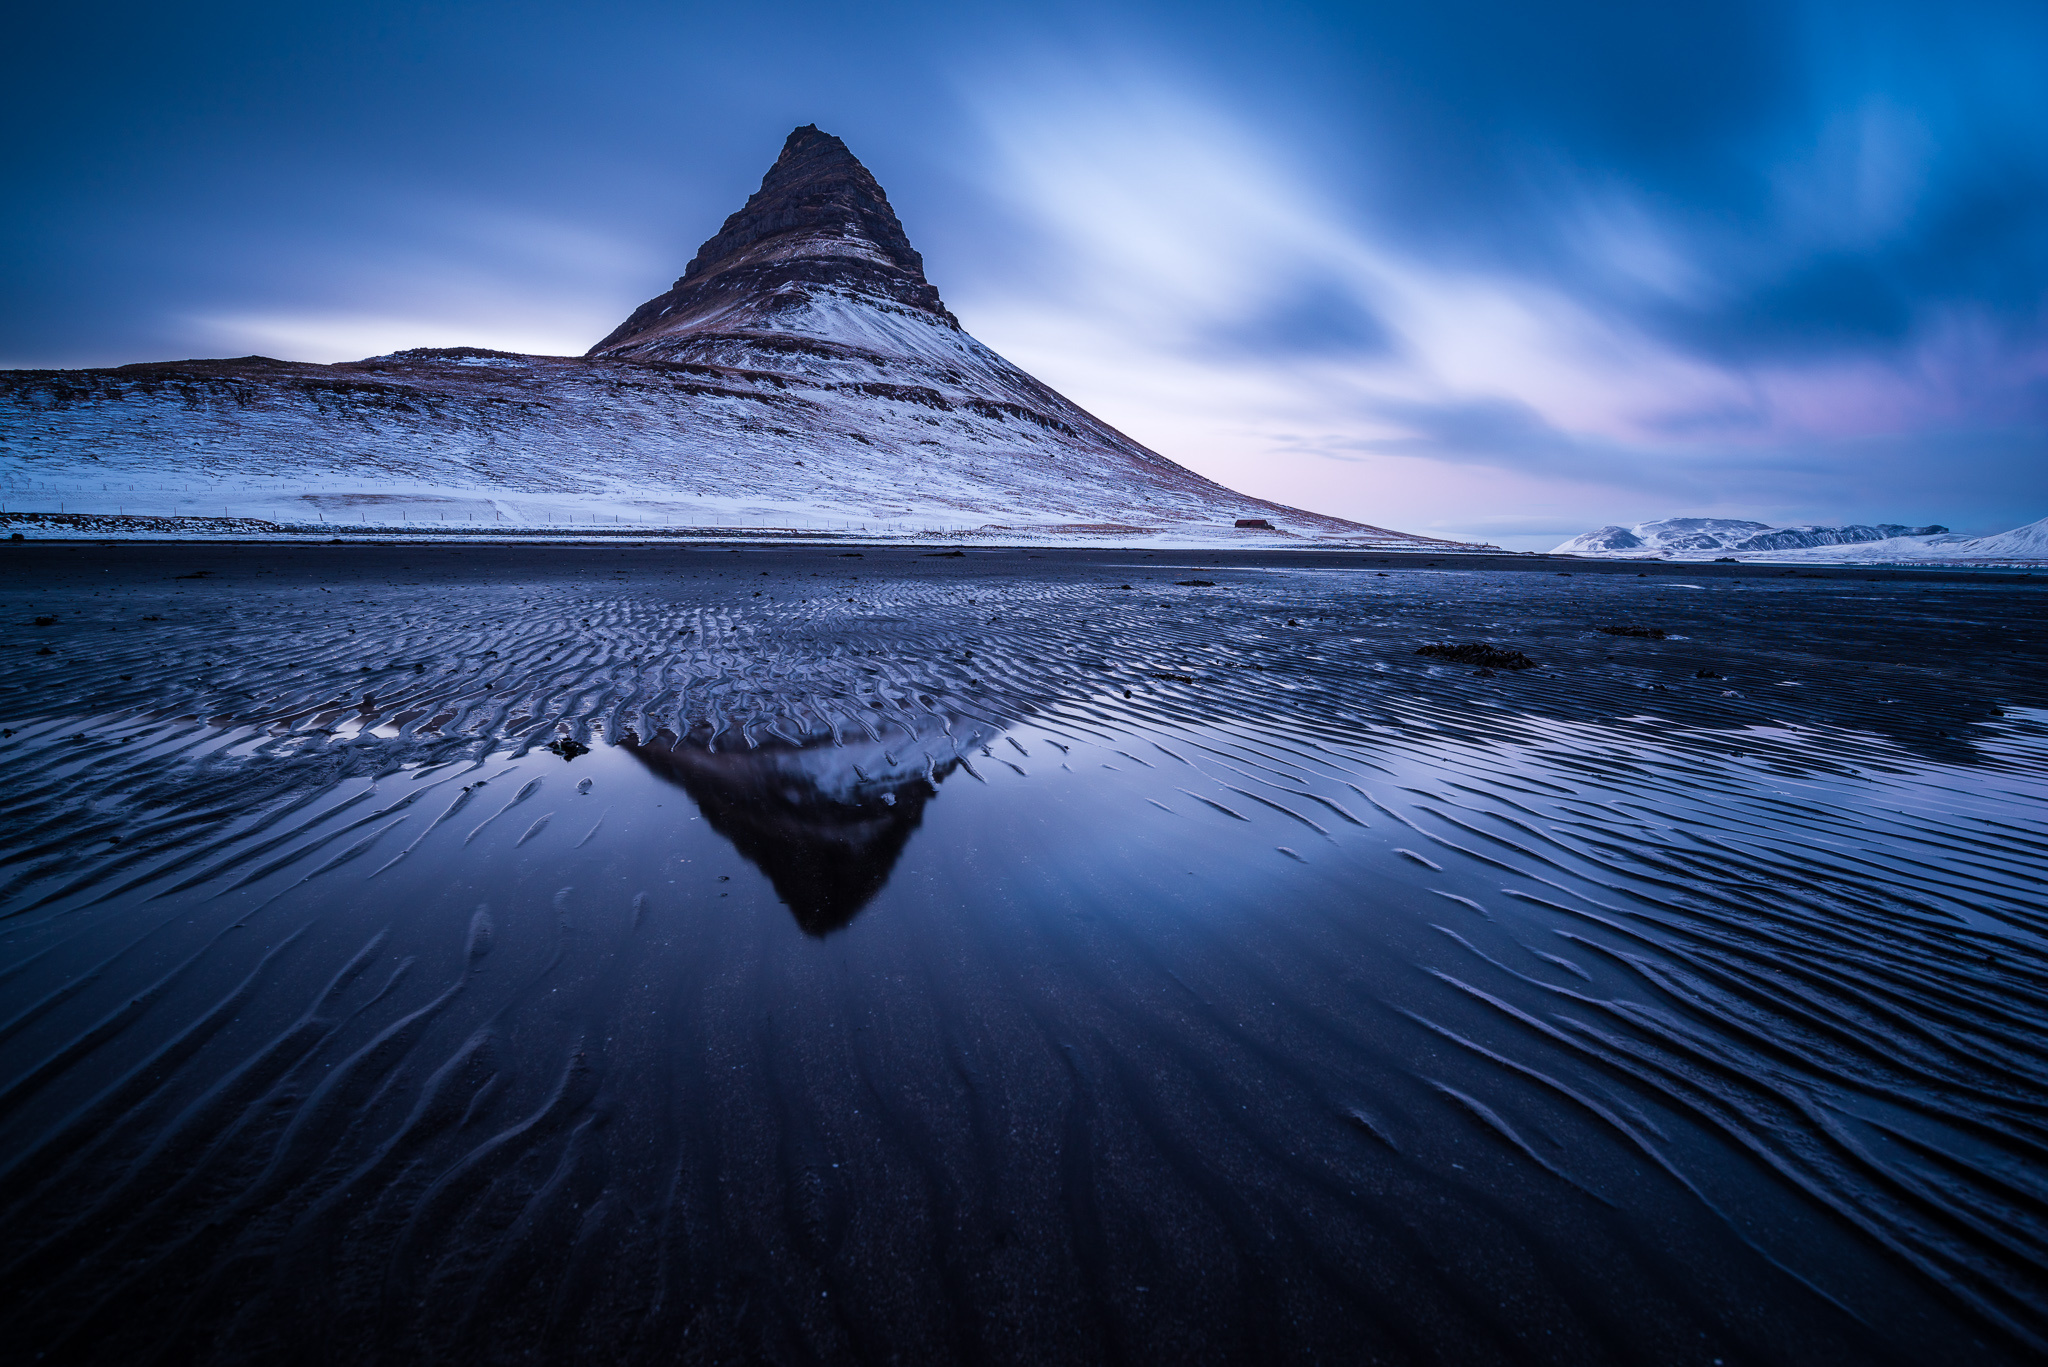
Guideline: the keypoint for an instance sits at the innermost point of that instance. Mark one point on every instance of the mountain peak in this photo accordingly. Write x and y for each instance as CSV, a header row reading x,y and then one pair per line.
x,y
819,221
817,187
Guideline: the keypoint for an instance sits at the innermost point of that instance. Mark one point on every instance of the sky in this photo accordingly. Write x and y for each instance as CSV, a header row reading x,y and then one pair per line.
x,y
1476,268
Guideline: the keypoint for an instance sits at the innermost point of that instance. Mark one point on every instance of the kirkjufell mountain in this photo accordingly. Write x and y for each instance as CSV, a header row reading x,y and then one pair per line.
x,y
802,374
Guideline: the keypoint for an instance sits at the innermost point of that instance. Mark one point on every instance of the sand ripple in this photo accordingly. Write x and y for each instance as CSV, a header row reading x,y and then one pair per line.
x,y
986,960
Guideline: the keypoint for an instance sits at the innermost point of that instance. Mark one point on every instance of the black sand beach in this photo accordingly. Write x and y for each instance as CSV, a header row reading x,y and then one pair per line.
x,y
701,954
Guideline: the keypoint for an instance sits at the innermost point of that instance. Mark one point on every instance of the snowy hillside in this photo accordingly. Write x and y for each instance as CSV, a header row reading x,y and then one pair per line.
x,y
802,374
1699,538
1694,535
1668,534
2028,543
2023,546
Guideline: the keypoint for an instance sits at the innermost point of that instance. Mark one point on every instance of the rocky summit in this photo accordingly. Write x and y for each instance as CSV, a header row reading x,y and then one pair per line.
x,y
801,375
819,225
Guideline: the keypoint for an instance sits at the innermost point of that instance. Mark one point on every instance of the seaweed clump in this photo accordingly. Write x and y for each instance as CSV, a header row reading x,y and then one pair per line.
x,y
567,747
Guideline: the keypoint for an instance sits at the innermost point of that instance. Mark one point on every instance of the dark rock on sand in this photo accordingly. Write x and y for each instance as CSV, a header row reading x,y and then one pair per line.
x,y
1478,653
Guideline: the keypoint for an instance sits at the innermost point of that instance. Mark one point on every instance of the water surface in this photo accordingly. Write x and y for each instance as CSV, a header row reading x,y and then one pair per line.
x,y
983,960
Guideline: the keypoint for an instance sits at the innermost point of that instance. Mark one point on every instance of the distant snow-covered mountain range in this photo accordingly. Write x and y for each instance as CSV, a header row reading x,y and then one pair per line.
x,y
1701,538
802,374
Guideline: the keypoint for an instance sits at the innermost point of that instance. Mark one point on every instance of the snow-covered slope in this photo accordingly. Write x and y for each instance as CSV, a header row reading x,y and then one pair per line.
x,y
1715,536
1695,533
1601,541
801,374
1809,535
2023,546
2028,543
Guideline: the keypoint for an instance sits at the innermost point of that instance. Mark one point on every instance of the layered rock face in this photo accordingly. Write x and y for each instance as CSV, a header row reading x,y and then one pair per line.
x,y
1852,534
818,220
802,373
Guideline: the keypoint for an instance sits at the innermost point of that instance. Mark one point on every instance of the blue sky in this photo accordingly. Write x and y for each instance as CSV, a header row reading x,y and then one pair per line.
x,y
1478,268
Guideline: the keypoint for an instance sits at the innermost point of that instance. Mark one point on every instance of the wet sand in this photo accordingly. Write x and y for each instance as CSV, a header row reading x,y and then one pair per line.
x,y
1023,956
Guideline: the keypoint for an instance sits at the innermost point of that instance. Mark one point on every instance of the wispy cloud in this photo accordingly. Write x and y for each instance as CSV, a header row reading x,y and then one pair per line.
x,y
479,275
1183,237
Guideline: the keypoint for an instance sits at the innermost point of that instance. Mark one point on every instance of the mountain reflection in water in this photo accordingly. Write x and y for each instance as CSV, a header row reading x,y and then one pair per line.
x,y
824,820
